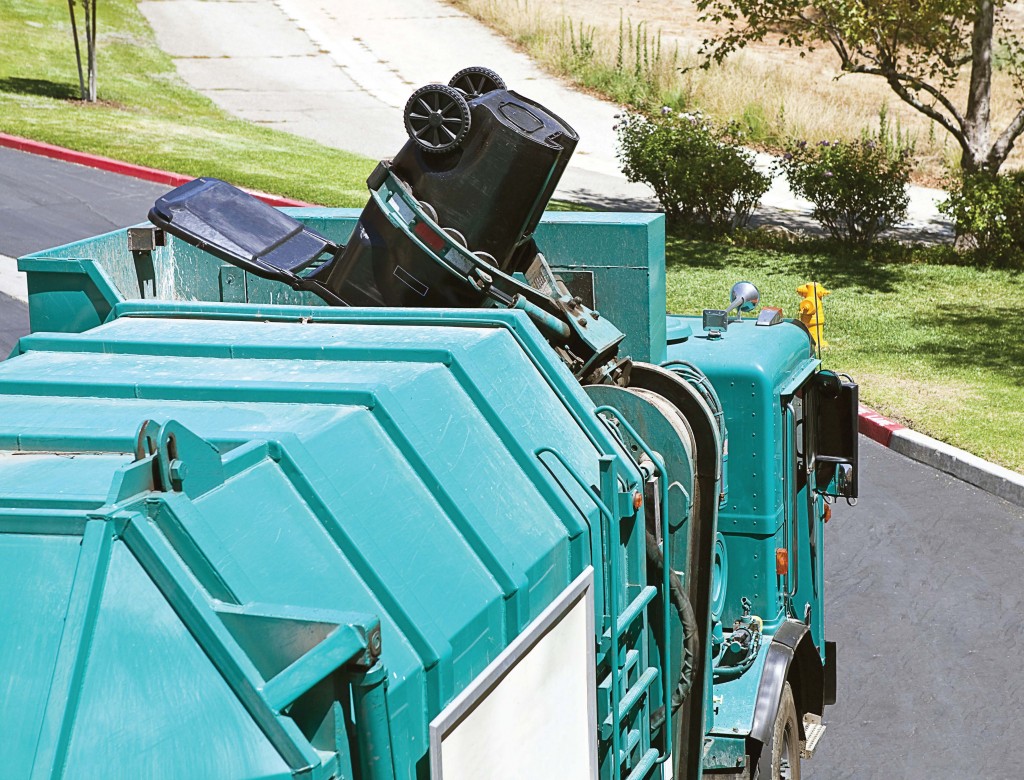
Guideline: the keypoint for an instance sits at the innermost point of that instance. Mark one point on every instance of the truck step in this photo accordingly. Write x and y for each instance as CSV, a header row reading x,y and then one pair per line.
x,y
815,730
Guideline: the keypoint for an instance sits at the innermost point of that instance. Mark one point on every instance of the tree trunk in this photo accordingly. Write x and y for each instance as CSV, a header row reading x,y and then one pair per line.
x,y
90,40
976,143
78,50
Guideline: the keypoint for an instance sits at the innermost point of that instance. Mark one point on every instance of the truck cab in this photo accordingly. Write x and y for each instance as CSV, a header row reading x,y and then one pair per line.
x,y
782,418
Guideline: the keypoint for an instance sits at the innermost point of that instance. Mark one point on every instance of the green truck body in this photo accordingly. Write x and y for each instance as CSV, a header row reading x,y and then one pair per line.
x,y
248,535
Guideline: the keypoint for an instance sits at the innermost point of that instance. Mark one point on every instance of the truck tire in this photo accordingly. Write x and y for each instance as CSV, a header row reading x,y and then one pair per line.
x,y
785,745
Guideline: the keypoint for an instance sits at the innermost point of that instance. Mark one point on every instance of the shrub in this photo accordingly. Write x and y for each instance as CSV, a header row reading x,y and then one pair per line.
x,y
858,188
699,173
988,212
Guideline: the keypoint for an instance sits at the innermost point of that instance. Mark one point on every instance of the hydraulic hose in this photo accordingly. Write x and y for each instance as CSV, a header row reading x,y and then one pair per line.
x,y
725,673
691,648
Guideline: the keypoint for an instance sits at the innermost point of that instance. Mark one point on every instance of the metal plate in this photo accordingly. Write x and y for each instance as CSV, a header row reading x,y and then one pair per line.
x,y
532,712
580,284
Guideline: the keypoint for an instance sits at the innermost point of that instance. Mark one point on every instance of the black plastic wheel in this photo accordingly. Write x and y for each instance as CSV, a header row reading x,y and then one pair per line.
x,y
476,80
437,118
429,210
455,236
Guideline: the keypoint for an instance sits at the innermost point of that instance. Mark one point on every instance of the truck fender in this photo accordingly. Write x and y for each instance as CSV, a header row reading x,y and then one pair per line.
x,y
791,656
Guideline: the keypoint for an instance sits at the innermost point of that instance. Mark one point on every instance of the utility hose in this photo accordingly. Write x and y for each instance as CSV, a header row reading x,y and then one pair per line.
x,y
691,647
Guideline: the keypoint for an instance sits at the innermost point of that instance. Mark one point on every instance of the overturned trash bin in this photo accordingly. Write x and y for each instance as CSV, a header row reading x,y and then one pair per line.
x,y
463,196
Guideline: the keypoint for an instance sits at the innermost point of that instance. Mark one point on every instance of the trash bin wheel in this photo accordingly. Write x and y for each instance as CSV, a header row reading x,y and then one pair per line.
x,y
437,118
476,80
429,210
456,236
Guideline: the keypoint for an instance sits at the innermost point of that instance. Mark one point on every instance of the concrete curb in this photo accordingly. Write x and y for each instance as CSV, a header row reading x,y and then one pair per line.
x,y
124,169
999,481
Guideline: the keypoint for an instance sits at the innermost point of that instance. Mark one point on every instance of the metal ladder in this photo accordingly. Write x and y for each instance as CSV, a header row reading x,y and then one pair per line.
x,y
624,701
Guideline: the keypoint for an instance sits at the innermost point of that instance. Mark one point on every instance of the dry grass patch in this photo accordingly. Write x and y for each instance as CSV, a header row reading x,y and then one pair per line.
x,y
771,90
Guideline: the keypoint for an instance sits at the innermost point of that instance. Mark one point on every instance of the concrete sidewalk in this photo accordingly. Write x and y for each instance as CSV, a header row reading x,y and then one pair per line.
x,y
340,71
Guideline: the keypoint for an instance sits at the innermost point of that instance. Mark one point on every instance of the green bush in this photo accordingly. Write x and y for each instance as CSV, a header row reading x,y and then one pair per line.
x,y
988,212
858,188
699,173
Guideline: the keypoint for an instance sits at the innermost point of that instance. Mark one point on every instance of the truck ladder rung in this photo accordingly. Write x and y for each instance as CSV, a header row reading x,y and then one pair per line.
x,y
644,765
815,730
632,740
633,695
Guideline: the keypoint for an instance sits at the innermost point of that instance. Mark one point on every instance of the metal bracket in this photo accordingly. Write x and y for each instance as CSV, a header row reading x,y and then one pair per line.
x,y
769,315
182,462
145,239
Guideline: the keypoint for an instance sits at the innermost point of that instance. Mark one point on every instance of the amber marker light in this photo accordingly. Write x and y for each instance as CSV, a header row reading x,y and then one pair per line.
x,y
638,500
828,513
781,561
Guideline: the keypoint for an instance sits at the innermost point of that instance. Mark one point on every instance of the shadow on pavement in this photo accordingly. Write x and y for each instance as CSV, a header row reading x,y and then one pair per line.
x,y
13,323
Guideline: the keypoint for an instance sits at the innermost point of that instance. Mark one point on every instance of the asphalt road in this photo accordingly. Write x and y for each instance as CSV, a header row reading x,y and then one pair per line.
x,y
46,203
924,590
924,597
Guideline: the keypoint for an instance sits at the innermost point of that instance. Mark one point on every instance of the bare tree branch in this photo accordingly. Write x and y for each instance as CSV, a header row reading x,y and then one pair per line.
x,y
896,83
78,50
1004,144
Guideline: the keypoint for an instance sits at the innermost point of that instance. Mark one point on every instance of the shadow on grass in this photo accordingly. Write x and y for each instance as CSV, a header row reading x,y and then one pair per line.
x,y
841,266
989,340
39,88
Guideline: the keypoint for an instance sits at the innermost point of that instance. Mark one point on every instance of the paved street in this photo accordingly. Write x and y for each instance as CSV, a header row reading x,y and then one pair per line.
x,y
924,594
45,203
923,577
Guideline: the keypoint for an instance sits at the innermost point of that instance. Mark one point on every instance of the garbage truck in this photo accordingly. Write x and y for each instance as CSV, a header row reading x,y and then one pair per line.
x,y
434,489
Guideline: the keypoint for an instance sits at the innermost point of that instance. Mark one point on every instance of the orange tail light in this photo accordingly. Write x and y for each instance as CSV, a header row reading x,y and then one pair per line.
x,y
782,561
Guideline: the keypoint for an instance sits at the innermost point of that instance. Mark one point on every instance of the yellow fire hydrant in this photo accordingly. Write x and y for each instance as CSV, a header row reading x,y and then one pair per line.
x,y
812,310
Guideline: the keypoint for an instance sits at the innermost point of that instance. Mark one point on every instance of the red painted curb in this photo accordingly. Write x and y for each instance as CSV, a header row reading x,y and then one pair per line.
x,y
875,426
119,167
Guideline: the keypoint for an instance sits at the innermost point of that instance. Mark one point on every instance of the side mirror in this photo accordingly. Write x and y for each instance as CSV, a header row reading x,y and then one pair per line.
x,y
744,297
832,406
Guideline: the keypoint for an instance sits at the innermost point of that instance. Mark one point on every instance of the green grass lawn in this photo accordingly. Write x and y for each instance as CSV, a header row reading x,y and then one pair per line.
x,y
937,347
146,115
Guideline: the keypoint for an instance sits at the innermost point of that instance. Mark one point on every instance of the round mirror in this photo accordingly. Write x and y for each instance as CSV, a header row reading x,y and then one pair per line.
x,y
744,294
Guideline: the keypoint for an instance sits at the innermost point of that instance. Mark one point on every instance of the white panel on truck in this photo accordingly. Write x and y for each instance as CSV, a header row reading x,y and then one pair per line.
x,y
532,712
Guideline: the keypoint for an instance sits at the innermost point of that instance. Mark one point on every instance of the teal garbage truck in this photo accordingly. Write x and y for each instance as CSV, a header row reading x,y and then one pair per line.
x,y
435,489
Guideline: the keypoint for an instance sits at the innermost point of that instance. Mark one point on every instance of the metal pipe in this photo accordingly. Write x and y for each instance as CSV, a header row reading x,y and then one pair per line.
x,y
370,705
543,320
790,511
606,466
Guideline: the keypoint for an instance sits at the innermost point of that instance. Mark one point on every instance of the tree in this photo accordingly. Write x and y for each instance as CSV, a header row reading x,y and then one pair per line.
x,y
920,47
88,91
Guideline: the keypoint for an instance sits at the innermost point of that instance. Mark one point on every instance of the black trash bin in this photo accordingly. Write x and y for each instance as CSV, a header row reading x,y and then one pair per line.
x,y
483,166
478,170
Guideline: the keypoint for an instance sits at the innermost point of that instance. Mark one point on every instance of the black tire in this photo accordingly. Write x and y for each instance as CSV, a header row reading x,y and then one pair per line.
x,y
476,80
437,118
781,760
